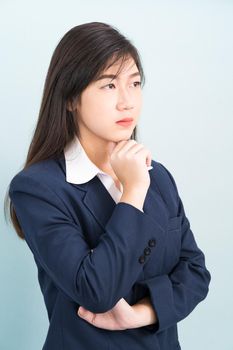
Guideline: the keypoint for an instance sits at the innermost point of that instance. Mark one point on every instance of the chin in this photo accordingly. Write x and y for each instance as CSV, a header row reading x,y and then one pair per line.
x,y
124,137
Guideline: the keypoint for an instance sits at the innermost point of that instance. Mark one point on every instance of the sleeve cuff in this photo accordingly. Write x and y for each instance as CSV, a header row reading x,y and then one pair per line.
x,y
160,291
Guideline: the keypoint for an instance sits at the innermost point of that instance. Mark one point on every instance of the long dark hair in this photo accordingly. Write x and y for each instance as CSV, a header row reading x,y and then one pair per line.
x,y
83,53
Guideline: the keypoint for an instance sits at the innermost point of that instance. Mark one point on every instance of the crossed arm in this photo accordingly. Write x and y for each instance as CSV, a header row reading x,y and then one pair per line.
x,y
122,315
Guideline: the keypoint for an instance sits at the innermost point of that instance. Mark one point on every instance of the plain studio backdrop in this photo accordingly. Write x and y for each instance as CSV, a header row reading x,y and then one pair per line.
x,y
186,121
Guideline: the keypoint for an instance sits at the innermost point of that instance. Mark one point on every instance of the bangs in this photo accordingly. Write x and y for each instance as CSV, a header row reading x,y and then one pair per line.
x,y
119,57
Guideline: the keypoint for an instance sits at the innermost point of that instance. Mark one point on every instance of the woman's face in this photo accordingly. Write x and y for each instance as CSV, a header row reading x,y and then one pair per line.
x,y
104,102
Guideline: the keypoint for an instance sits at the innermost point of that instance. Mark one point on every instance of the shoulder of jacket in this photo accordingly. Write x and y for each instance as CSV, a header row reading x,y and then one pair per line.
x,y
162,175
44,173
165,183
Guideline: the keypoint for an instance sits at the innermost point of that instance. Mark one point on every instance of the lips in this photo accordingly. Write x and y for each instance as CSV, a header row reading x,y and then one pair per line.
x,y
125,120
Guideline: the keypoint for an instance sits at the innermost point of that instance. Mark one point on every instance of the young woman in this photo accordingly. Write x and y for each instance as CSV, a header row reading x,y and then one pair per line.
x,y
118,264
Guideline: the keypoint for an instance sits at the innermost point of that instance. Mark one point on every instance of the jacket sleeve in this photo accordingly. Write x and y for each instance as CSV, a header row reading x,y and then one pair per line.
x,y
96,280
176,294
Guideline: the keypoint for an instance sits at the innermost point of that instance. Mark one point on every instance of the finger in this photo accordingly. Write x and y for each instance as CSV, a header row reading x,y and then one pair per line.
x,y
134,148
149,160
82,312
119,145
125,146
146,153
86,315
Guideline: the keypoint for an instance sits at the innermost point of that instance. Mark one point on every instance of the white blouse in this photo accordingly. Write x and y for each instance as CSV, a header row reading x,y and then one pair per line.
x,y
80,169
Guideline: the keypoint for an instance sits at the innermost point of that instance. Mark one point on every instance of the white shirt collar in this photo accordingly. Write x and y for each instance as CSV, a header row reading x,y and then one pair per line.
x,y
79,168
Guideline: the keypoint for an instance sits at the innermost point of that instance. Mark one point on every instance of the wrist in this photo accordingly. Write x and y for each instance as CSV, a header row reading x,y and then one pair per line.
x,y
137,189
135,197
145,313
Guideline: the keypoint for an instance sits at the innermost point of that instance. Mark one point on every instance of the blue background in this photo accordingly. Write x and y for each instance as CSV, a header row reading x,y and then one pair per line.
x,y
186,121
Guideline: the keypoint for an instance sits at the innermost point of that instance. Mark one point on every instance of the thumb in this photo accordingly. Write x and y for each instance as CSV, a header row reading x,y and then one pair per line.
x,y
111,146
82,312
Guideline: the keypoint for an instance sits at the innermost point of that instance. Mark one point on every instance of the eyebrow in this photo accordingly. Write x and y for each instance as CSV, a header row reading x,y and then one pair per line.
x,y
113,76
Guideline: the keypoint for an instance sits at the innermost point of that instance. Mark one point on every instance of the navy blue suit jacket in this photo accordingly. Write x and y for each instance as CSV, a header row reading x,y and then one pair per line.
x,y
64,222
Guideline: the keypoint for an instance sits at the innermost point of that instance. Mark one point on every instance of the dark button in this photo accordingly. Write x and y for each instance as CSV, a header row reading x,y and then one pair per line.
x,y
151,242
147,251
141,259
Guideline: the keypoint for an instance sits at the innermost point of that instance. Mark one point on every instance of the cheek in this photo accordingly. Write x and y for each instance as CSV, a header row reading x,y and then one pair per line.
x,y
105,102
99,107
138,99
97,115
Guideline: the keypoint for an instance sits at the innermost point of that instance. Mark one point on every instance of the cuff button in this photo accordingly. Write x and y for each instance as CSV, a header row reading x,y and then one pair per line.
x,y
151,242
141,259
147,251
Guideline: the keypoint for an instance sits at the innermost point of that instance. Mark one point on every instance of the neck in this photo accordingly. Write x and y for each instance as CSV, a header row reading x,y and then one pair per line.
x,y
99,152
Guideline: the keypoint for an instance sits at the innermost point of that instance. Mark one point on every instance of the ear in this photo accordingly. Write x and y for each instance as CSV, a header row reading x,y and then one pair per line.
x,y
72,104
69,106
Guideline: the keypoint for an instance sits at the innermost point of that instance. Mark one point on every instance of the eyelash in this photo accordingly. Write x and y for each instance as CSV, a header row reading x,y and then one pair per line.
x,y
136,82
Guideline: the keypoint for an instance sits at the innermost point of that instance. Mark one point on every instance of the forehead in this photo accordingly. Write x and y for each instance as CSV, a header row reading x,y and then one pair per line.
x,y
121,67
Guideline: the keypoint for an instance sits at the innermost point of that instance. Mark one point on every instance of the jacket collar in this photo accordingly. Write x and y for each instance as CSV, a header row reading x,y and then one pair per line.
x,y
81,173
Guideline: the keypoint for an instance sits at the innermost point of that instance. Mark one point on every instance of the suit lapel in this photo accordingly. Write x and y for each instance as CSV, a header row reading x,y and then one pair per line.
x,y
100,203
97,199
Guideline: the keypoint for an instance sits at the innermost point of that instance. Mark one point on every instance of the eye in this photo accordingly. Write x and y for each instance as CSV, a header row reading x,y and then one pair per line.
x,y
109,85
138,83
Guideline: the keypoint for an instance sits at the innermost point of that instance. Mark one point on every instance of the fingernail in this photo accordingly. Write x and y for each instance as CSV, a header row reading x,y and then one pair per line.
x,y
80,312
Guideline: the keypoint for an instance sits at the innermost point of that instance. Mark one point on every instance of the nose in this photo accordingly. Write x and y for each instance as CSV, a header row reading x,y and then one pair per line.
x,y
124,101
